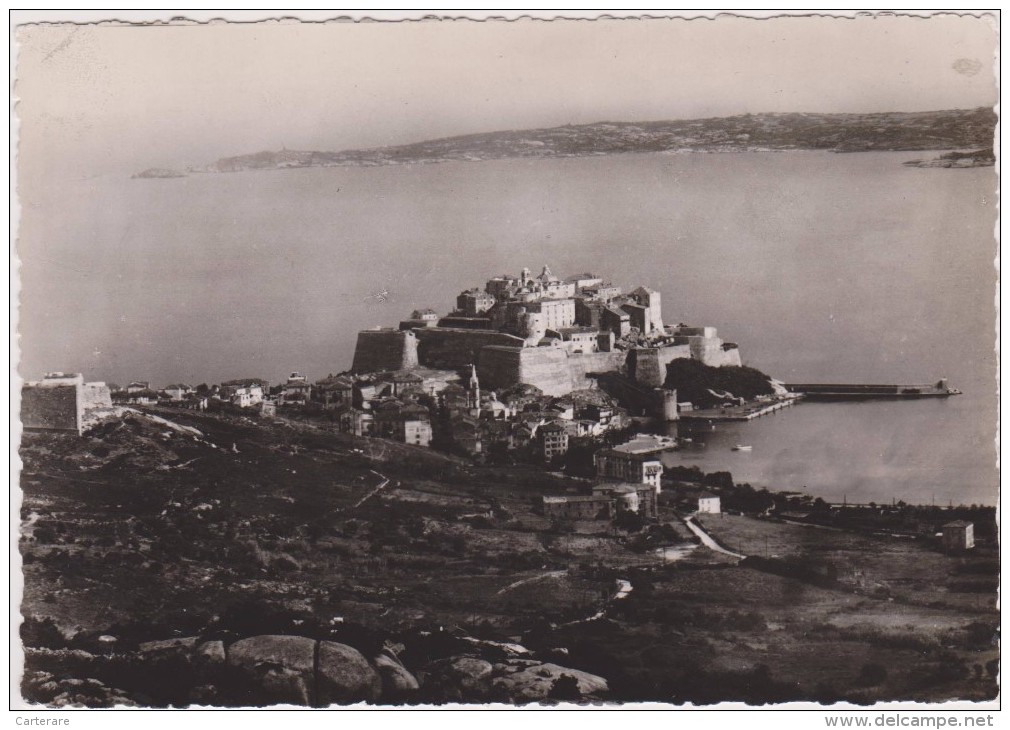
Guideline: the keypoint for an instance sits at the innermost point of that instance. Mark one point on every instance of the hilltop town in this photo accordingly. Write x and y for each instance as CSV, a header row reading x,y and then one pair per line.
x,y
528,369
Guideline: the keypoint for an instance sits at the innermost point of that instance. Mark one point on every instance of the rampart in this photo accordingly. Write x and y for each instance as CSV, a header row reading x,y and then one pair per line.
x,y
453,349
647,365
710,351
499,367
641,400
553,370
547,368
379,350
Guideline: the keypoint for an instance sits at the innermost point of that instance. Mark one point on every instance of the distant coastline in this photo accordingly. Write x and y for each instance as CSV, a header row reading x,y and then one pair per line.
x,y
880,132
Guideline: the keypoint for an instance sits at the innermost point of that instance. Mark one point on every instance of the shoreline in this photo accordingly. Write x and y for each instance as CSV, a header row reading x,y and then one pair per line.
x,y
746,412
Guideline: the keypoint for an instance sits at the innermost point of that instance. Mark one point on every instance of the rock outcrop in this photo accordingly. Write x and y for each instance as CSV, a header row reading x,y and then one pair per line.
x,y
345,676
296,670
526,681
284,667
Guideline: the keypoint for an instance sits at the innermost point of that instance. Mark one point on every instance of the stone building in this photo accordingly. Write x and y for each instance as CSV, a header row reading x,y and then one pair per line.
x,y
297,389
605,503
958,535
629,467
553,440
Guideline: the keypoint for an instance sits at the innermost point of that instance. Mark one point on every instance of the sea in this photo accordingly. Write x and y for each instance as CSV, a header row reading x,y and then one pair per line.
x,y
822,267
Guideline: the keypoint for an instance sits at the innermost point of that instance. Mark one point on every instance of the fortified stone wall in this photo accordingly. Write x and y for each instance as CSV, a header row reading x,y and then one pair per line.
x,y
51,408
709,350
379,350
547,368
499,367
553,370
641,400
453,349
581,365
648,365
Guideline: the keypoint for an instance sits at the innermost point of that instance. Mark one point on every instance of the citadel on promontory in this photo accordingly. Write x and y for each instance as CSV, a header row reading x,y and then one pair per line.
x,y
551,333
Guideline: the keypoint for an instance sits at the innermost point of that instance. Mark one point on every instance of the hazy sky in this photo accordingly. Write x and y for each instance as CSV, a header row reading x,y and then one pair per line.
x,y
104,97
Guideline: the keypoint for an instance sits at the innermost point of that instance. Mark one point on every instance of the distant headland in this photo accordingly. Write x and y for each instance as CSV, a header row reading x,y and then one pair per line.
x,y
769,132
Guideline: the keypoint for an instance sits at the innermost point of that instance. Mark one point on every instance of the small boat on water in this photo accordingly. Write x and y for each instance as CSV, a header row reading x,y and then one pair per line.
x,y
738,447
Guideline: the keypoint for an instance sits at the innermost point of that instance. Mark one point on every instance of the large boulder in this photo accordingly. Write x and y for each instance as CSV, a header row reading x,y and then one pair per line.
x,y
345,676
397,682
281,667
532,682
211,652
457,679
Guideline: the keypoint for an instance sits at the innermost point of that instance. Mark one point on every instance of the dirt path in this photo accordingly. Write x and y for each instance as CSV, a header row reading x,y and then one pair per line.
x,y
524,581
382,485
707,540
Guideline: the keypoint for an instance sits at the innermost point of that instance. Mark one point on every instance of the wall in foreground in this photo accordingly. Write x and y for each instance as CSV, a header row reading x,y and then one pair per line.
x,y
51,408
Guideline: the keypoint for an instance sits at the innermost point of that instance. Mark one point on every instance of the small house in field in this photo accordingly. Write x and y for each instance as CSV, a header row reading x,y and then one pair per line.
x,y
708,503
958,535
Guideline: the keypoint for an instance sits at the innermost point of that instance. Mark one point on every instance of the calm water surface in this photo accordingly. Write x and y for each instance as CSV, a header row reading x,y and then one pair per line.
x,y
823,267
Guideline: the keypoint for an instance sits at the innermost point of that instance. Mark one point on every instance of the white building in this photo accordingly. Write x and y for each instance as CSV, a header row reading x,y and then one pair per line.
x,y
708,503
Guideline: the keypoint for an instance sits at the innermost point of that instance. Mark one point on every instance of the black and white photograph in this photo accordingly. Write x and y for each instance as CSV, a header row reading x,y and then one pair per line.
x,y
464,361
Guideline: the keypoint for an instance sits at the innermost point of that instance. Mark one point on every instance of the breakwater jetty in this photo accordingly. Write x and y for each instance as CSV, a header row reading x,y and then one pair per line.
x,y
862,391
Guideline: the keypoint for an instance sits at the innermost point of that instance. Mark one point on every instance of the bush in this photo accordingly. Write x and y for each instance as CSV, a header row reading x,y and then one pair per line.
x,y
693,380
565,687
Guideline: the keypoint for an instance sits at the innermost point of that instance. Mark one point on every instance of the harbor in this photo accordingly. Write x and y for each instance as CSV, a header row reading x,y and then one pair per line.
x,y
745,412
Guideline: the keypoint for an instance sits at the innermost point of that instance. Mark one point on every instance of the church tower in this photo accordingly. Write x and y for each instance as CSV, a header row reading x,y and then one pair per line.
x,y
474,388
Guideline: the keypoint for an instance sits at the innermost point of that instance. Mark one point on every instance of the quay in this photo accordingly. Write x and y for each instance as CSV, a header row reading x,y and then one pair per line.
x,y
861,391
746,412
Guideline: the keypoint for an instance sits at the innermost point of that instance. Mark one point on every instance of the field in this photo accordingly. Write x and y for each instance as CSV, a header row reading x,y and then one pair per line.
x,y
895,619
225,526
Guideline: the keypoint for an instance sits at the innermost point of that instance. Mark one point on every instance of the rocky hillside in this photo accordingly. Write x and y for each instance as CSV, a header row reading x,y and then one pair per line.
x,y
893,131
